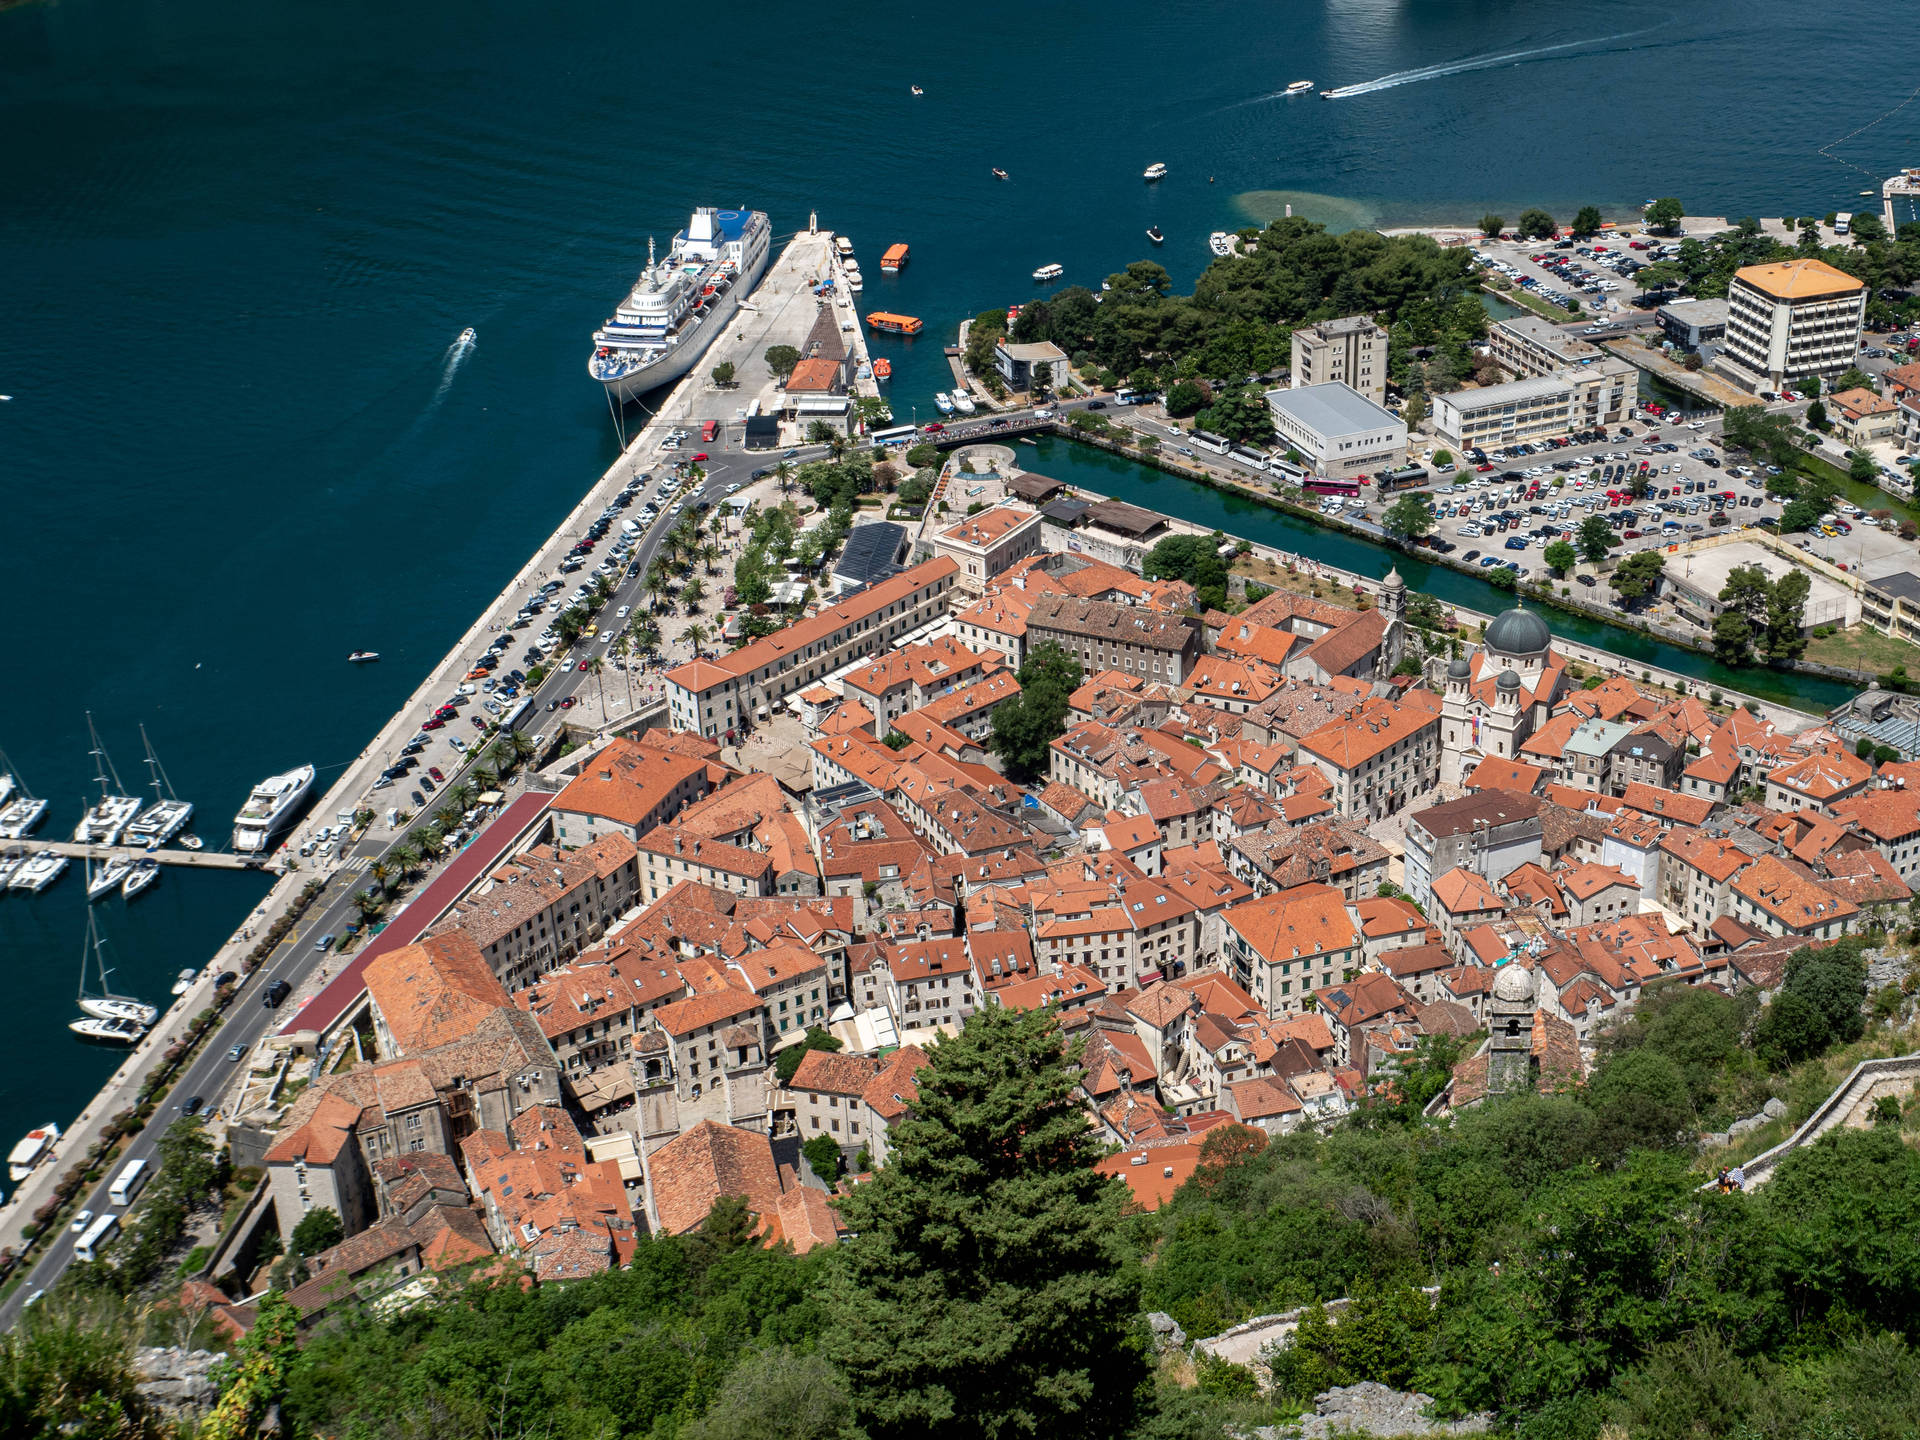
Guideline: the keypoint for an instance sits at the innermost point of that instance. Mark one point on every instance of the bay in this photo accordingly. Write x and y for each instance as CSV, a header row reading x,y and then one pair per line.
x,y
238,241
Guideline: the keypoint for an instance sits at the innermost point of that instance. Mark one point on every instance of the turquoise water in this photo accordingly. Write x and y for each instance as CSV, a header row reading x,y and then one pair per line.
x,y
1137,484
238,241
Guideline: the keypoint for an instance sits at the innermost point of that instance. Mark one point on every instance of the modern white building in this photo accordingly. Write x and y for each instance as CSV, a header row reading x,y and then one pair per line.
x,y
1603,385
1789,320
1352,352
1340,432
1520,410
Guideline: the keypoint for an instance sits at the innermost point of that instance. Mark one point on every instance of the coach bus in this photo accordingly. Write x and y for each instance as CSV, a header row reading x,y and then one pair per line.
x,y
897,435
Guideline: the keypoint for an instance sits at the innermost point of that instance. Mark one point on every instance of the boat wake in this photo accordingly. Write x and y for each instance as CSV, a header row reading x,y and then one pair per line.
x,y
451,362
1461,67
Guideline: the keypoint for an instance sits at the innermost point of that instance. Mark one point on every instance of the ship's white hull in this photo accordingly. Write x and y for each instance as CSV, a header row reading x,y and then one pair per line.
x,y
113,1007
113,1032
19,819
256,825
104,822
40,872
159,823
143,875
37,1146
693,342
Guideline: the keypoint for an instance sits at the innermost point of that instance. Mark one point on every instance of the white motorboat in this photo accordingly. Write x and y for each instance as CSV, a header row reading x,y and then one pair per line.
x,y
106,1005
105,878
1049,272
19,812
114,1032
143,874
854,281
467,336
270,808
1299,87
1221,243
962,402
361,657
191,842
184,980
39,872
942,403
1155,171
106,819
34,1147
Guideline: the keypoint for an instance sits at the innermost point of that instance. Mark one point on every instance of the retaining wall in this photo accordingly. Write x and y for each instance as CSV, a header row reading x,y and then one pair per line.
x,y
1850,1104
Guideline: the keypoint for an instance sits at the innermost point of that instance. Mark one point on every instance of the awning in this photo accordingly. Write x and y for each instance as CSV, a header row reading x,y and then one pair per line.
x,y
820,404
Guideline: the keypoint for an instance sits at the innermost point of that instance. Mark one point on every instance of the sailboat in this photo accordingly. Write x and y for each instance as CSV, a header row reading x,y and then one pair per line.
x,y
22,812
168,815
143,874
106,1006
103,879
102,823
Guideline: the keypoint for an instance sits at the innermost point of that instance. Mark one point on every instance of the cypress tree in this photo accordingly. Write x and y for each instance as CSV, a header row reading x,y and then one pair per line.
x,y
986,1292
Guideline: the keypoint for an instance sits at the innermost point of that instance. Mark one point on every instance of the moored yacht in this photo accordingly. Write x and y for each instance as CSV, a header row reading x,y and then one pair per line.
x,y
962,402
106,1005
114,1032
1221,243
19,818
679,304
34,1147
269,809
184,980
10,864
143,874
39,872
942,402
112,813
167,816
103,879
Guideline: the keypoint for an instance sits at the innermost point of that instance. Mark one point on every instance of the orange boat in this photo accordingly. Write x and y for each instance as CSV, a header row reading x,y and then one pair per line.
x,y
883,369
894,260
894,324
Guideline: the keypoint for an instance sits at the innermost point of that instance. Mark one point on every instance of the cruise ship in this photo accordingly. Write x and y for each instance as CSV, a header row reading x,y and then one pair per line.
x,y
269,809
679,304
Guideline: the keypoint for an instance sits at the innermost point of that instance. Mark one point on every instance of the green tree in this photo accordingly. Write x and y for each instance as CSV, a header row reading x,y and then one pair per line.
x,y
924,456
1560,557
723,373
66,1369
1408,518
824,1156
1663,216
1817,416
1240,415
1642,1100
1587,222
258,1380
318,1230
1748,591
1043,377
1492,225
1786,616
1809,235
788,1060
986,1291
1502,577
1732,638
1536,224
778,1394
780,360
1595,538
1790,1030
1637,576
1025,727
1184,399
1415,410
1861,467
1833,981
1194,559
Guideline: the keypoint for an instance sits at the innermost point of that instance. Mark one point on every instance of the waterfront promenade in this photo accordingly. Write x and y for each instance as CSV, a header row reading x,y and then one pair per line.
x,y
782,309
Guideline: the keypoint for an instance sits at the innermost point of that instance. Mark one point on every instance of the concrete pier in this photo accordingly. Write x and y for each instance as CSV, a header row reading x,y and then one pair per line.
x,y
201,859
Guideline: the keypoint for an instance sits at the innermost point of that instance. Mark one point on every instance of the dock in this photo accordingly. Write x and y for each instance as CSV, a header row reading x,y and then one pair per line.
x,y
204,859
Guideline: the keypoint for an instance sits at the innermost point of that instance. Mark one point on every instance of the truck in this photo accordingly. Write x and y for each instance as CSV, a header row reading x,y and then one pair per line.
x,y
1843,222
127,1183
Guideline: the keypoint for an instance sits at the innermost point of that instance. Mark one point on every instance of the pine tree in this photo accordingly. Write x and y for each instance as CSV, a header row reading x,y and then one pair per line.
x,y
986,1293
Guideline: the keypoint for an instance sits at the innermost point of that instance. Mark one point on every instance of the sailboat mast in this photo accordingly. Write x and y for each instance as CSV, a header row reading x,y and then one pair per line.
x,y
162,786
8,767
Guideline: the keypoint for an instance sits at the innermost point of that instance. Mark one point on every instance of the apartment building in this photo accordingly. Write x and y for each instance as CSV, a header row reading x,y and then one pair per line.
x,y
1350,351
1376,759
546,905
628,787
1540,407
716,696
1604,385
983,545
1283,947
1791,319
1105,636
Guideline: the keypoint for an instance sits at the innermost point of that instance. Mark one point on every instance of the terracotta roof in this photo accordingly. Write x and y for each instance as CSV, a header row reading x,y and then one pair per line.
x,y
628,782
1161,1169
1583,882
1303,920
1494,773
697,1167
1376,727
1462,891
434,991
1823,776
1792,897
826,1072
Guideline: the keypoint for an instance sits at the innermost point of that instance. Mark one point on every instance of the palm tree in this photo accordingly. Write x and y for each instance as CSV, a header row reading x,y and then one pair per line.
x,y
594,668
484,778
460,796
694,592
570,622
647,635
655,583
368,904
694,635
521,745
783,472
602,588
380,873
405,855
696,474
709,553
838,445
432,842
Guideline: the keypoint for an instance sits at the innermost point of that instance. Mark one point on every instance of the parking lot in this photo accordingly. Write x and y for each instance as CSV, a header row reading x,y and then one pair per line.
x,y
1598,274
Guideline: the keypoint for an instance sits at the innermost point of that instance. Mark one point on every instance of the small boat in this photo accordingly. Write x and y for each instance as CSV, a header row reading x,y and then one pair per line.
x,y
1299,87
1155,171
843,247
1326,94
942,403
361,657
894,324
191,842
962,402
106,878
113,1032
106,1005
1153,234
1049,272
184,980
918,91
467,336
39,872
894,261
1221,243
20,812
998,173
143,874
883,370
34,1147
854,282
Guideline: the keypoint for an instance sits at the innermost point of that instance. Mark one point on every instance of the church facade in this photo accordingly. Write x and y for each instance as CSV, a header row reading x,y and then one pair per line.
x,y
1499,694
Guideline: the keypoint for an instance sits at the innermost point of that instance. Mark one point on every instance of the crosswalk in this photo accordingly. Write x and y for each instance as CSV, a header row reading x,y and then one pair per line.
x,y
355,864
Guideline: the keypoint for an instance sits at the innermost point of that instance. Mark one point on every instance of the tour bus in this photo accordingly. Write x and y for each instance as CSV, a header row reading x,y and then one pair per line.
x,y
708,431
1286,469
128,1182
515,717
1407,477
1248,457
1328,485
1207,440
87,1247
896,435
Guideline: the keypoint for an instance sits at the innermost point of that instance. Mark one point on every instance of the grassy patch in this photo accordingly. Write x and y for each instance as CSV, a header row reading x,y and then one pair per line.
x,y
1262,571
1862,648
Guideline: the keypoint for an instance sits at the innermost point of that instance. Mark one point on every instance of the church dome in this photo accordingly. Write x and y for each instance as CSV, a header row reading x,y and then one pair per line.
x,y
1518,632
1508,681
1459,669
1513,983
1393,580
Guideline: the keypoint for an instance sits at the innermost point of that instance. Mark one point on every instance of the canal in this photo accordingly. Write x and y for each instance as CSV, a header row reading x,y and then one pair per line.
x,y
1090,468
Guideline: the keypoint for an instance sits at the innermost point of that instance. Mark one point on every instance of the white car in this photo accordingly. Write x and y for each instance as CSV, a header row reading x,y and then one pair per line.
x,y
81,1221
621,613
468,689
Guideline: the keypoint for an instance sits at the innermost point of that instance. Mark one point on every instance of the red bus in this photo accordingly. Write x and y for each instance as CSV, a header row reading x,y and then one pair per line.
x,y
1315,485
708,431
